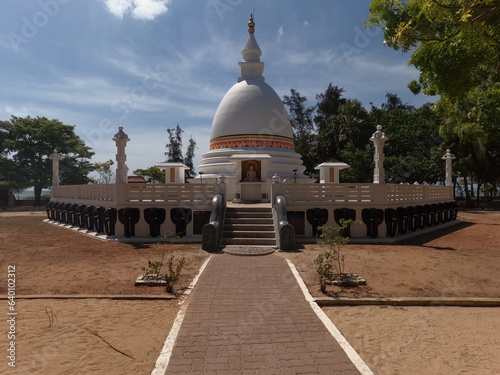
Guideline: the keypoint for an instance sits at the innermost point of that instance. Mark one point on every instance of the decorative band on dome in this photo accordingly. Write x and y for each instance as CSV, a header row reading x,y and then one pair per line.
x,y
251,140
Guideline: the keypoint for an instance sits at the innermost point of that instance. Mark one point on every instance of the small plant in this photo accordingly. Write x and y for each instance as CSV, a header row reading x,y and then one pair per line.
x,y
152,271
172,276
331,263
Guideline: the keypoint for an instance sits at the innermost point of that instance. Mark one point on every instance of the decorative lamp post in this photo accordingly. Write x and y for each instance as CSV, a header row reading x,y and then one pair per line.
x,y
379,138
448,157
295,176
55,157
201,177
121,140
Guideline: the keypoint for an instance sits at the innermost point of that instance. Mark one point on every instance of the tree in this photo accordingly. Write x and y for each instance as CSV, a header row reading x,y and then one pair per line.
x,y
394,102
303,128
30,142
455,47
350,124
328,104
152,174
174,145
105,172
454,42
174,149
189,158
414,150
10,174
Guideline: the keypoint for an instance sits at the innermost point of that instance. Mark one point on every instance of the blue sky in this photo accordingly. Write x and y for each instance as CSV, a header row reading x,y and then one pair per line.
x,y
151,64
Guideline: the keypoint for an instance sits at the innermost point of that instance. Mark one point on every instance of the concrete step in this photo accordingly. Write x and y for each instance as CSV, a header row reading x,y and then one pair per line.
x,y
248,234
249,241
249,226
248,209
252,214
251,221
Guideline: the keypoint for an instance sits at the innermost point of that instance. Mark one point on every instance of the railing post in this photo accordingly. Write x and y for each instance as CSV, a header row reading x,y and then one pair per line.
x,y
275,187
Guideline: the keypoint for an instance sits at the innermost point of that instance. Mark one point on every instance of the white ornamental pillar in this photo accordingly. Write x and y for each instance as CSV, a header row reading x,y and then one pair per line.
x,y
448,157
121,140
55,157
379,138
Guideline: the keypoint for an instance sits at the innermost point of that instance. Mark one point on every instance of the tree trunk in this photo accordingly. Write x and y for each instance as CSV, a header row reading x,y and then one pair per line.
x,y
468,199
38,195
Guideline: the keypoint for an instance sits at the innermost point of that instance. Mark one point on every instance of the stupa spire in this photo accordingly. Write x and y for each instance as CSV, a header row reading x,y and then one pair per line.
x,y
251,67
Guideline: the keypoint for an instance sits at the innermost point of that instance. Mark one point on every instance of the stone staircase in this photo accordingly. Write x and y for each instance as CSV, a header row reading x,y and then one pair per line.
x,y
251,226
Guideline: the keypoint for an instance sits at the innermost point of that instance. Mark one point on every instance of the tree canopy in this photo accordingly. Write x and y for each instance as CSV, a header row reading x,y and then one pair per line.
x,y
341,129
105,172
174,149
455,46
27,144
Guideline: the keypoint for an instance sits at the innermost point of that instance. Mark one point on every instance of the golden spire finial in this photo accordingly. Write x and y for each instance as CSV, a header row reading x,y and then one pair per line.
x,y
251,24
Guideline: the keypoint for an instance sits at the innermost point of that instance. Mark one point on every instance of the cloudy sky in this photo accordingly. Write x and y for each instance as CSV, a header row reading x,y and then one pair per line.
x,y
151,64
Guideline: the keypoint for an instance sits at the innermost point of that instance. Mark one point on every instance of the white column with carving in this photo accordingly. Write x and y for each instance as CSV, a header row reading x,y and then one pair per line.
x,y
121,140
55,157
379,138
448,158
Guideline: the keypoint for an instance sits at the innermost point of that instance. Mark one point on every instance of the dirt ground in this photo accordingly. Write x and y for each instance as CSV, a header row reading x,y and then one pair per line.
x,y
102,336
458,261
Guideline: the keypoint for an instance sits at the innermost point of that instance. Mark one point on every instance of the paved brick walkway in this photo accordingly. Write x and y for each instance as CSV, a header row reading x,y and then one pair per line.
x,y
247,315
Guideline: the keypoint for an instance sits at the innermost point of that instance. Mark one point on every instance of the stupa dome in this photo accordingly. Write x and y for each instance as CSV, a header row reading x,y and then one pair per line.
x,y
251,114
251,125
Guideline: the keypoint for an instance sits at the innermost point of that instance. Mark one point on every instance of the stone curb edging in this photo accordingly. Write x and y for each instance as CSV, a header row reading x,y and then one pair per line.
x,y
410,301
168,346
355,358
129,297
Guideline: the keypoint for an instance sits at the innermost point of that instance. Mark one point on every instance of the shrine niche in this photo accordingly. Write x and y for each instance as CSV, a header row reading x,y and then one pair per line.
x,y
251,170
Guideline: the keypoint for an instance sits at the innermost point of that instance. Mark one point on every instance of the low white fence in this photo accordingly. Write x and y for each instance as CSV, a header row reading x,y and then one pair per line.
x,y
70,193
123,194
377,194
294,193
170,193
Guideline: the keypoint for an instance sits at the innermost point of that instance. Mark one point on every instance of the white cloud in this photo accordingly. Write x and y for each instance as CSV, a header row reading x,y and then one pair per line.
x,y
305,23
140,9
280,33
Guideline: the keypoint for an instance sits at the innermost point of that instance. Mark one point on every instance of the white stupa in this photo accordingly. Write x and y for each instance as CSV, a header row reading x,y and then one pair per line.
x,y
252,137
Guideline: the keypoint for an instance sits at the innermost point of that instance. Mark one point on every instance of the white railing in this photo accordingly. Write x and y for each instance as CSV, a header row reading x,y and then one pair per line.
x,y
170,192
84,192
295,193
363,193
136,193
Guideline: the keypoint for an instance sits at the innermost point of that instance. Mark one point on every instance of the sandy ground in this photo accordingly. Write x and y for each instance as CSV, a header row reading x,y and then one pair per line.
x,y
459,261
102,336
423,340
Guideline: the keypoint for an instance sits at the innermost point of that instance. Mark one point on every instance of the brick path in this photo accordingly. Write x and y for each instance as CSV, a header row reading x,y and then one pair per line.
x,y
247,315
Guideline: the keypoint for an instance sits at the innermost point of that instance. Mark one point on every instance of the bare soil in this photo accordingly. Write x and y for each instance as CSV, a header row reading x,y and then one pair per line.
x,y
106,336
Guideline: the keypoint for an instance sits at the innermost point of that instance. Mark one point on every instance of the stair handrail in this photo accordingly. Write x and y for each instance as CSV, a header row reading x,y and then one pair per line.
x,y
284,231
211,234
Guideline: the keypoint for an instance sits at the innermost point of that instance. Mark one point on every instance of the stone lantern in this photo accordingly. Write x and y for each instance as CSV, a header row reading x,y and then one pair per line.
x,y
379,138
